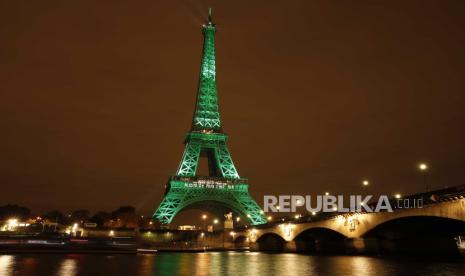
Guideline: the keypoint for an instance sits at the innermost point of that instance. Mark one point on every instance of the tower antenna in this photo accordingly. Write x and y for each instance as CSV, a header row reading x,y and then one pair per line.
x,y
209,15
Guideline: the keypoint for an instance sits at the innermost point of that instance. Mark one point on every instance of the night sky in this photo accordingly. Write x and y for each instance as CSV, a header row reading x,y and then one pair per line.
x,y
97,96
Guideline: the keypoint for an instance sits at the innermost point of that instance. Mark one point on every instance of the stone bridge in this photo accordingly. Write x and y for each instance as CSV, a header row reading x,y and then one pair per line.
x,y
431,227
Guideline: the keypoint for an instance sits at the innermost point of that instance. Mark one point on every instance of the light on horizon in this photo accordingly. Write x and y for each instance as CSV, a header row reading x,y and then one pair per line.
x,y
423,167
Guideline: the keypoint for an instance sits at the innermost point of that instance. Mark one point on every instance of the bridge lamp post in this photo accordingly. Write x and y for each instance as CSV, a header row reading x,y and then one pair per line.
x,y
298,204
365,184
397,196
423,168
215,221
237,220
204,218
232,233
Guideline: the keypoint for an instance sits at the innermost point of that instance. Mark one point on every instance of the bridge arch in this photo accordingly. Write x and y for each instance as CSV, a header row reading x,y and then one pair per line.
x,y
417,235
321,240
240,238
318,227
452,210
256,234
271,242
241,241
417,226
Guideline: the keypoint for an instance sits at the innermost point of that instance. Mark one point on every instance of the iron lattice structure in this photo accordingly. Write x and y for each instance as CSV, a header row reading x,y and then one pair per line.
x,y
223,189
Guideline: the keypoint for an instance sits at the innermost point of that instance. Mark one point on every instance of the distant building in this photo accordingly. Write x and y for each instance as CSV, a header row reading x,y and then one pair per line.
x,y
187,227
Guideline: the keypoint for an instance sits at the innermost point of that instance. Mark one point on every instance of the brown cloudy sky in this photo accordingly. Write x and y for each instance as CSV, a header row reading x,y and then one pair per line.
x,y
96,96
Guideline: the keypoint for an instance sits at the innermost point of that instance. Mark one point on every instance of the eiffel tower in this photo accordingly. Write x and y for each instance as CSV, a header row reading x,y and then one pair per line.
x,y
222,190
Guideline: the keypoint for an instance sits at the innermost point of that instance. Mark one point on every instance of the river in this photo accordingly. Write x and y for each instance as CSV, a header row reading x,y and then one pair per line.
x,y
224,263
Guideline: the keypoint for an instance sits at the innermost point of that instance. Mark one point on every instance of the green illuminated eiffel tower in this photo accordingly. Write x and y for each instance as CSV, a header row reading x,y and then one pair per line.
x,y
223,190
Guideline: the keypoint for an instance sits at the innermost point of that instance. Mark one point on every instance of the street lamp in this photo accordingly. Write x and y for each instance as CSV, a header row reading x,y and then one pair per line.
x,y
215,221
327,194
204,218
12,224
397,196
365,184
423,167
232,234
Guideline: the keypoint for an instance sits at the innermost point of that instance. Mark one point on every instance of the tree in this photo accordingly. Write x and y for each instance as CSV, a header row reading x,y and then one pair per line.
x,y
80,216
123,210
125,216
14,211
54,216
100,218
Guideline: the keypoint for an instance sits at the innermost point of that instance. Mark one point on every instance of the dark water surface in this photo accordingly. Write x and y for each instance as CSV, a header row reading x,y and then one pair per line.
x,y
224,263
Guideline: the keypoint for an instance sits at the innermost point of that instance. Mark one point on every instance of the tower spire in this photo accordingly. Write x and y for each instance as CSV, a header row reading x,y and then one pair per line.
x,y
206,115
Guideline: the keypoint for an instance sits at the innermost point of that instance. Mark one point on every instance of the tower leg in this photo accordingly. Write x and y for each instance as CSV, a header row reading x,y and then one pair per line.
x,y
224,161
190,160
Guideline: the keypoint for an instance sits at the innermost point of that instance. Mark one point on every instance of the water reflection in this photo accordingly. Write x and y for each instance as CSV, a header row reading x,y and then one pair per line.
x,y
68,267
146,264
6,265
224,263
362,265
202,264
